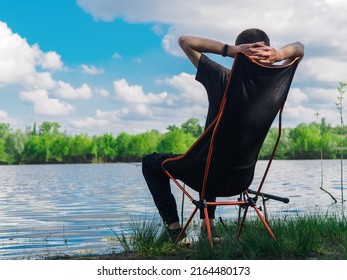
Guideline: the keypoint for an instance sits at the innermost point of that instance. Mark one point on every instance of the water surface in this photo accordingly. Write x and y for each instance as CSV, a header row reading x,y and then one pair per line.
x,y
47,210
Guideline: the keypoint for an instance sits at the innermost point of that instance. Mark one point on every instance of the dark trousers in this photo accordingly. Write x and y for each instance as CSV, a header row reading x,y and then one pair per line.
x,y
159,186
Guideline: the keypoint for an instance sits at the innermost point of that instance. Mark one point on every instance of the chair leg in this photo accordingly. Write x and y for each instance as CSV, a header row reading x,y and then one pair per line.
x,y
264,222
208,226
240,226
239,214
187,224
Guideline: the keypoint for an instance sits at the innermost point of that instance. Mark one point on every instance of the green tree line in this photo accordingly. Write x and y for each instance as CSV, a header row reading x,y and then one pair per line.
x,y
47,144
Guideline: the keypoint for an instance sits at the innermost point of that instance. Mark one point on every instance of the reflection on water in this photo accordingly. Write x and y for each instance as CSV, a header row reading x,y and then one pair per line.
x,y
56,209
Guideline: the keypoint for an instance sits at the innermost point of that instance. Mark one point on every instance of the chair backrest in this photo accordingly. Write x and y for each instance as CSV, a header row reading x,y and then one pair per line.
x,y
223,159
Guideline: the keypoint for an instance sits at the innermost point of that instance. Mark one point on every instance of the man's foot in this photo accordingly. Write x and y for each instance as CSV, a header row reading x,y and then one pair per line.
x,y
172,234
214,233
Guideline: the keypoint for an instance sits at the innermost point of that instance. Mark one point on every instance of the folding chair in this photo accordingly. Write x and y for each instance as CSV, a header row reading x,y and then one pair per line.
x,y
221,162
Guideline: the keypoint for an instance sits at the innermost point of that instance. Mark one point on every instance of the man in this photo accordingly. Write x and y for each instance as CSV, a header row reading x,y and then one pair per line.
x,y
213,76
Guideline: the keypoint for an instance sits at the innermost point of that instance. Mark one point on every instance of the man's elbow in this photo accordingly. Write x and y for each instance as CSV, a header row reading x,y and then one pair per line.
x,y
183,40
300,49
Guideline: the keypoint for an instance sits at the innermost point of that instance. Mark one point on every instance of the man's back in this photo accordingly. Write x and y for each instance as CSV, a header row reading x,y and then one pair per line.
x,y
231,144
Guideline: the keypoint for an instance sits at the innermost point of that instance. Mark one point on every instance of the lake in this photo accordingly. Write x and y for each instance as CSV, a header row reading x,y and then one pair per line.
x,y
48,210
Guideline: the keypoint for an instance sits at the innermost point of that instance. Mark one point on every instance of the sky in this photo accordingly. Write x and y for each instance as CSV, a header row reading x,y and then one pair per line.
x,y
112,66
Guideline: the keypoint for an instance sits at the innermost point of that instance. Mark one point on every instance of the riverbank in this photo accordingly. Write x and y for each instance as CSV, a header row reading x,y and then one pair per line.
x,y
311,237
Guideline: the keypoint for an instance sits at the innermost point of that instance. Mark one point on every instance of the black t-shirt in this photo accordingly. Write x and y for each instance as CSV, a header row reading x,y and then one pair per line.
x,y
213,77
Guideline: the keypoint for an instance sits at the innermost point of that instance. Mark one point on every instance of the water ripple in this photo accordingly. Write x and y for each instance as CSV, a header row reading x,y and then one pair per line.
x,y
68,209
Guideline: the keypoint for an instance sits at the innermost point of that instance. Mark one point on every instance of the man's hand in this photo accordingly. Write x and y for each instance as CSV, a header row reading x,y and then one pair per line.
x,y
268,55
260,52
195,46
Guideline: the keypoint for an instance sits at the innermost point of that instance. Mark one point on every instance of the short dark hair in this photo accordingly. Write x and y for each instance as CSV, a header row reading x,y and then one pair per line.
x,y
252,35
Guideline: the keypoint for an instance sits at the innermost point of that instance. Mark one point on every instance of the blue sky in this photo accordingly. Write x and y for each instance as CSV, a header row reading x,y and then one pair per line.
x,y
99,66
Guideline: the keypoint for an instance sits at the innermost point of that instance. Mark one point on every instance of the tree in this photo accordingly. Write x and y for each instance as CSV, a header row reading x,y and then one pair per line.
x,y
14,146
135,149
4,132
104,148
305,142
193,127
49,135
49,128
3,156
150,142
80,148
59,148
172,127
35,150
122,144
176,142
283,147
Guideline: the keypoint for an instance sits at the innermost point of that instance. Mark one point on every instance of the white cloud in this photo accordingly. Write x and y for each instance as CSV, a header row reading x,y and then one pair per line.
x,y
42,80
111,115
91,69
325,69
102,119
43,105
190,99
318,22
137,101
158,29
49,60
102,92
3,114
187,98
18,61
322,96
135,94
65,90
299,114
88,123
17,58
23,66
142,110
116,55
296,97
303,105
316,98
5,118
191,92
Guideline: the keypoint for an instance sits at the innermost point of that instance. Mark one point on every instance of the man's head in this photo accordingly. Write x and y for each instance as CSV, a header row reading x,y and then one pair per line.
x,y
252,35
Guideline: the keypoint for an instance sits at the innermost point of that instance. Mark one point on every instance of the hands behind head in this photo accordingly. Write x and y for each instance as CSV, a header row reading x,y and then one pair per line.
x,y
260,52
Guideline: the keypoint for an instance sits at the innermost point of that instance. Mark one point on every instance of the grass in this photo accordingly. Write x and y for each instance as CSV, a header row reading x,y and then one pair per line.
x,y
314,236
147,238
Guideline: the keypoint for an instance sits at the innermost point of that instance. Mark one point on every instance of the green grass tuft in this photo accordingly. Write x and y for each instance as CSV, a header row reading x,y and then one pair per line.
x,y
312,236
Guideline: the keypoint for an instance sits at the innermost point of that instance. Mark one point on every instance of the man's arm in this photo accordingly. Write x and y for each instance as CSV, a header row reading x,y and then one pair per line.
x,y
195,46
287,54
